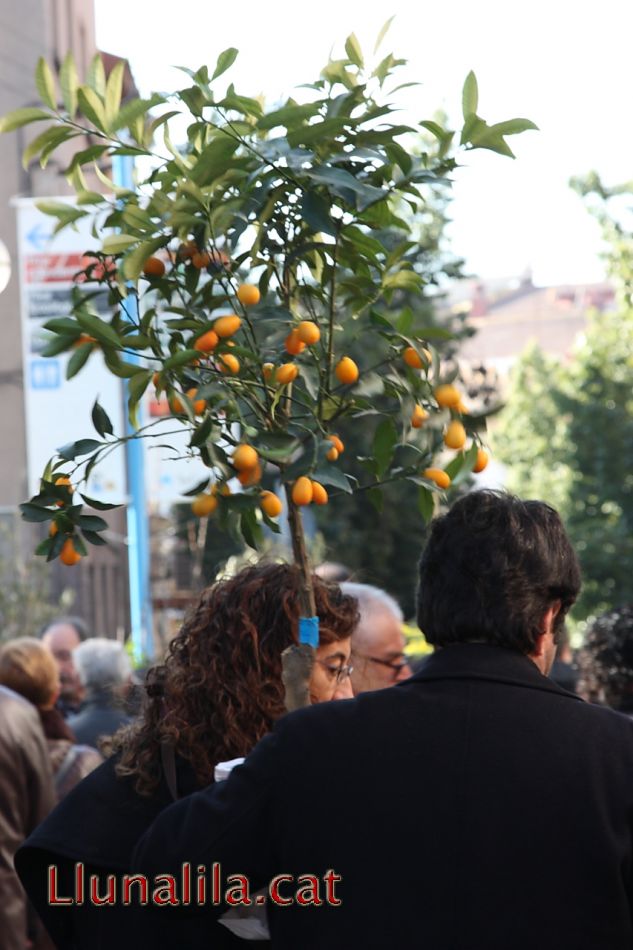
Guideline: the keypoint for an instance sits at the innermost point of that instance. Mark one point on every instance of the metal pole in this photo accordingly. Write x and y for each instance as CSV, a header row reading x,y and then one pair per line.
x,y
137,518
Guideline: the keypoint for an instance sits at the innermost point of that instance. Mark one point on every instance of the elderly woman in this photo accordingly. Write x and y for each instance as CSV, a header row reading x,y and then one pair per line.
x,y
218,692
28,668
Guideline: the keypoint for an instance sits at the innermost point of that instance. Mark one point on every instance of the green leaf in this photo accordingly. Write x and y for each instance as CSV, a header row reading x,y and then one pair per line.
x,y
224,62
244,104
201,433
181,359
93,538
345,185
468,460
382,32
59,345
98,505
353,50
315,211
44,547
426,503
62,325
35,513
405,321
133,262
115,243
318,132
45,83
78,359
83,157
386,66
136,109
289,116
277,447
363,243
331,475
137,217
96,77
19,117
136,386
214,160
454,466
92,523
69,82
470,95
52,136
85,197
91,106
101,420
200,487
385,440
251,530
114,90
98,328
56,209
73,450
514,127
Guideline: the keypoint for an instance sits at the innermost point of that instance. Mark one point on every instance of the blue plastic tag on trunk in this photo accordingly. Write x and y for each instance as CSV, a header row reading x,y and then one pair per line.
x,y
309,631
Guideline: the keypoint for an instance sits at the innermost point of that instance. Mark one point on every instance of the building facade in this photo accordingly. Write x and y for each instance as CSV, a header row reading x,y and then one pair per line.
x,y
28,30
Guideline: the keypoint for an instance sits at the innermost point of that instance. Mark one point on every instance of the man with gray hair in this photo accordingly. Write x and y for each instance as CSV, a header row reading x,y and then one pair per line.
x,y
378,657
104,670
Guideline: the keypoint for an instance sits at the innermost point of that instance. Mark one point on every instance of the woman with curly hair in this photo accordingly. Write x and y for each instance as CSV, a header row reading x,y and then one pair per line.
x,y
217,693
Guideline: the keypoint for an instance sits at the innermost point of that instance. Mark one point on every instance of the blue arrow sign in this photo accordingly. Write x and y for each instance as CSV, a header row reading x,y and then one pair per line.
x,y
38,238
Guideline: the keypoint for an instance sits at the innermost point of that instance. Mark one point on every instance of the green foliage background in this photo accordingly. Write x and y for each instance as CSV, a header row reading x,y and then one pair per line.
x,y
567,438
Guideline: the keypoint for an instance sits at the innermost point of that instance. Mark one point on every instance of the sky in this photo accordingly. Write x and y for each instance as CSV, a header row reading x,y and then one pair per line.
x,y
564,65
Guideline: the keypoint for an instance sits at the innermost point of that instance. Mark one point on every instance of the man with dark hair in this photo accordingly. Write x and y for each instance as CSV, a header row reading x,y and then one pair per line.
x,y
525,792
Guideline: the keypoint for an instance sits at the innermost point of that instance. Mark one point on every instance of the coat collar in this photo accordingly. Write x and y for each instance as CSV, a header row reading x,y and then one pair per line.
x,y
482,661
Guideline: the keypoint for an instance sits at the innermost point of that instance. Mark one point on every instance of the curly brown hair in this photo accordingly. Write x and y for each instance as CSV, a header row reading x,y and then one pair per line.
x,y
220,688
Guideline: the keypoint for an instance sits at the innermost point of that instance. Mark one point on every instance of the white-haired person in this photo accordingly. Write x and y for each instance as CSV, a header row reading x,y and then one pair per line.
x,y
105,671
378,642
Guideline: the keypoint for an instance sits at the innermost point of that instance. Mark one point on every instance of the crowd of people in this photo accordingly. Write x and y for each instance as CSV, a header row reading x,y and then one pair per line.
x,y
468,800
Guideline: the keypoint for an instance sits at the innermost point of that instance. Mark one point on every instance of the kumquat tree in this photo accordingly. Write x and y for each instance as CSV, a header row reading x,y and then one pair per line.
x,y
232,268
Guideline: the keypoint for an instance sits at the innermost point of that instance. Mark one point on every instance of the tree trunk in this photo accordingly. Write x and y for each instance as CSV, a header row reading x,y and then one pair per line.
x,y
298,659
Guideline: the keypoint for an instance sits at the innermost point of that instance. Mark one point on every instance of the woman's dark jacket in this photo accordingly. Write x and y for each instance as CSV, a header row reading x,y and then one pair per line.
x,y
98,823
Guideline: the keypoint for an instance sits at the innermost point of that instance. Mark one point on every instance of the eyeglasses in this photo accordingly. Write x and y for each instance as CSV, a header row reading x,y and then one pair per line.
x,y
340,672
396,666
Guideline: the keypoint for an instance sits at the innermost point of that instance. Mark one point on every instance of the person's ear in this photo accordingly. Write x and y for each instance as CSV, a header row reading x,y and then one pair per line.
x,y
550,616
547,628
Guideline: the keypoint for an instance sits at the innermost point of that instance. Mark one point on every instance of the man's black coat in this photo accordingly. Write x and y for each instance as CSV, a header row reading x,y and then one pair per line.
x,y
475,807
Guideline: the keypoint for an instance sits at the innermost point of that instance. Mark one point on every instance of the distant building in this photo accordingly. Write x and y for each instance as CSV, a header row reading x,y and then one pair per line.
x,y
27,31
509,315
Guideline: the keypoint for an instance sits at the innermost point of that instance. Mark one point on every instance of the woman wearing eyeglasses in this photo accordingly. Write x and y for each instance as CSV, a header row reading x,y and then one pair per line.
x,y
218,692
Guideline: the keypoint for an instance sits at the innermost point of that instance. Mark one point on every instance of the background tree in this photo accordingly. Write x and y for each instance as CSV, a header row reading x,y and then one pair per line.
x,y
567,431
25,606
